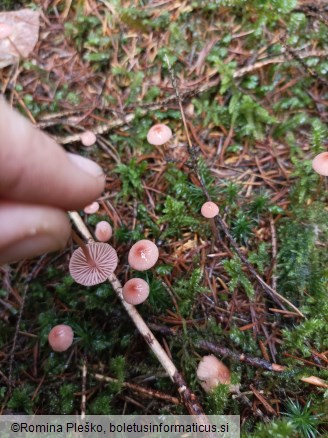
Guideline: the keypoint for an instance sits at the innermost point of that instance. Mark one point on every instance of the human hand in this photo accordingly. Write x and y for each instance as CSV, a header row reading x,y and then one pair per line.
x,y
38,182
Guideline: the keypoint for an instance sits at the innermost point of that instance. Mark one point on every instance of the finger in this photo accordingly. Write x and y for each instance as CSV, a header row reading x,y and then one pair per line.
x,y
34,169
29,230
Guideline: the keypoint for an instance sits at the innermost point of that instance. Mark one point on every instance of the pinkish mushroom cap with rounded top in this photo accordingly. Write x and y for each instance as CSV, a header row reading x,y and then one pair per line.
x,y
135,291
159,134
209,210
103,231
91,208
143,255
88,138
60,337
5,30
102,262
320,164
211,372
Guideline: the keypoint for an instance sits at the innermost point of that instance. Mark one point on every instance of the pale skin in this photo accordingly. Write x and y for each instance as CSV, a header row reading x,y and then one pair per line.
x,y
39,183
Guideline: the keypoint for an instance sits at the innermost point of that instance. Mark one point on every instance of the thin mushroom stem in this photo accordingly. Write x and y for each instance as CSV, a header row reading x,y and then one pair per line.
x,y
189,399
83,246
80,225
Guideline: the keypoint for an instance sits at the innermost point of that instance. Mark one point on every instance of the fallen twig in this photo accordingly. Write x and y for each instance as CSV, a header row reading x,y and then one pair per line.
x,y
218,219
189,399
148,392
237,357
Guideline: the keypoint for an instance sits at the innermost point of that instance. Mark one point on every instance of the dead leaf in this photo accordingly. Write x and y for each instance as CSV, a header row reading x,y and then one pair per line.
x,y
316,381
25,32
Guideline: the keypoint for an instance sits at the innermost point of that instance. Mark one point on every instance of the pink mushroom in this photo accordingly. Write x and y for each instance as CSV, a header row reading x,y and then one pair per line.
x,y
320,164
211,372
103,231
92,208
159,134
209,210
5,30
88,138
135,291
143,255
93,264
60,337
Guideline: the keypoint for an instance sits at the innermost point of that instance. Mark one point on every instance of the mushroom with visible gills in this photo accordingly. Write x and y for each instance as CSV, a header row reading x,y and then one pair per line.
x,y
93,263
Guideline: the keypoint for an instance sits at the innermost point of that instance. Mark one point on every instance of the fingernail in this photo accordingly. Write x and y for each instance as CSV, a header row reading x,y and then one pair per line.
x,y
86,165
30,247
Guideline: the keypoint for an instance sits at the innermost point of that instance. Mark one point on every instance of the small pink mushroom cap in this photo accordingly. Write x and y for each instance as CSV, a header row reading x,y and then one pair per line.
x,y
88,138
91,208
135,291
159,134
103,231
320,164
211,372
103,262
209,210
5,30
60,337
143,255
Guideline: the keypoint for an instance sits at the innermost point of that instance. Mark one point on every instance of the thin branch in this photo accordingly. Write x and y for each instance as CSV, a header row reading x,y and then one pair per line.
x,y
237,357
149,392
84,385
189,399
218,219
29,278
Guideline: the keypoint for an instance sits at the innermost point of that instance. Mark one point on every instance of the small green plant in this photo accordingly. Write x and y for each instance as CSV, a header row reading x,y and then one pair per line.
x,y
303,419
233,267
176,218
188,289
130,176
275,429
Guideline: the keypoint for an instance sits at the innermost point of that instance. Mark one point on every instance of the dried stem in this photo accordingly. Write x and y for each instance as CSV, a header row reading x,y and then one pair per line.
x,y
218,219
83,246
148,392
19,318
254,361
84,385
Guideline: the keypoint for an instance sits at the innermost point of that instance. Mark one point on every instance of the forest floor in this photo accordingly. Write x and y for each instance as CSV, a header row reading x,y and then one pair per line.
x,y
253,83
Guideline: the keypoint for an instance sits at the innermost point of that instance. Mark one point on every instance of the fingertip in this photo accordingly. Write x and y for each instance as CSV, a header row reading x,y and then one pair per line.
x,y
29,231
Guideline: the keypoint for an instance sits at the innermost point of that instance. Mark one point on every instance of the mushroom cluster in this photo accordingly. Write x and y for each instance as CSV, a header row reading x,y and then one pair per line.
x,y
142,256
